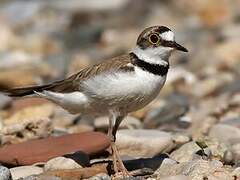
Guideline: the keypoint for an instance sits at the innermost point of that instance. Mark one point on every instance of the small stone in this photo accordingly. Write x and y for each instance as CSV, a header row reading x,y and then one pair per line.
x,y
61,163
24,171
4,101
180,139
228,157
236,152
101,176
5,173
143,143
186,152
236,172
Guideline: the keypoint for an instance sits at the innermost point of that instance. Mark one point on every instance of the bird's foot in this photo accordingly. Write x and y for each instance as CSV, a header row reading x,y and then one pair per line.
x,y
118,166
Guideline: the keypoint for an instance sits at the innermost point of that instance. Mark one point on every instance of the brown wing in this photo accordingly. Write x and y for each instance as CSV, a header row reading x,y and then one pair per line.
x,y
72,83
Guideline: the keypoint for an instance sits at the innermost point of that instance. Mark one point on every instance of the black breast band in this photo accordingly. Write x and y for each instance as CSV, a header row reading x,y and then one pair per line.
x,y
157,69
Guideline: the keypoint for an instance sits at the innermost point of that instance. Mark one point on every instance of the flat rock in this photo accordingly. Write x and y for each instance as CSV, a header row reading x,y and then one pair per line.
x,y
143,143
42,150
24,171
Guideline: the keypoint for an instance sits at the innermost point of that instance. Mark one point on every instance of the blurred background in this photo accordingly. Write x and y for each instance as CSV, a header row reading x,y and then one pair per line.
x,y
46,40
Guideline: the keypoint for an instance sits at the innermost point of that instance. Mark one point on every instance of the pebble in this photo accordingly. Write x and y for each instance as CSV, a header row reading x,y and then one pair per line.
x,y
4,101
101,176
61,163
24,171
186,152
143,143
5,173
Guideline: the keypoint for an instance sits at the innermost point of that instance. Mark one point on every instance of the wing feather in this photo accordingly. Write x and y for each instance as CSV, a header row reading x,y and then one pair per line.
x,y
72,83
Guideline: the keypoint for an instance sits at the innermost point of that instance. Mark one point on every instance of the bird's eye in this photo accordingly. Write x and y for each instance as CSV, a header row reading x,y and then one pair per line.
x,y
154,39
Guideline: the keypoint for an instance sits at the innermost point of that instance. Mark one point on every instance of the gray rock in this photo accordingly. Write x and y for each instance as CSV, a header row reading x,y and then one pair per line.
x,y
143,143
5,173
61,163
25,171
186,152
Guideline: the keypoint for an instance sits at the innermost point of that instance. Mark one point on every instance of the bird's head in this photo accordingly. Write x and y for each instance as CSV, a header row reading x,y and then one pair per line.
x,y
158,40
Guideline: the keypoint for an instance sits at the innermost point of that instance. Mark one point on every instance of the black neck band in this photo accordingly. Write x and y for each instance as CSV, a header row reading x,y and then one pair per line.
x,y
157,69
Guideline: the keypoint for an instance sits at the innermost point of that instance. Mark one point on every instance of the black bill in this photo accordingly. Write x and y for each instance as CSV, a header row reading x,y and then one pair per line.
x,y
174,45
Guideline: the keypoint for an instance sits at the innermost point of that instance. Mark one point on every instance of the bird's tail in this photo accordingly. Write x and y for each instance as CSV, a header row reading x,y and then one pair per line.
x,y
58,86
25,91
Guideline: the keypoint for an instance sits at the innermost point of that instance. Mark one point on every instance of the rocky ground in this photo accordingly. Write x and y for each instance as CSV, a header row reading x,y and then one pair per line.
x,y
191,131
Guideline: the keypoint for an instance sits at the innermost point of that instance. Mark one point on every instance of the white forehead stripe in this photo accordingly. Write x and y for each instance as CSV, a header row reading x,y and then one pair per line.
x,y
168,36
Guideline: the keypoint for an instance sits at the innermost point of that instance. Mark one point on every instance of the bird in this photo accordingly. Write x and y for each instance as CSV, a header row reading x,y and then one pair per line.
x,y
114,87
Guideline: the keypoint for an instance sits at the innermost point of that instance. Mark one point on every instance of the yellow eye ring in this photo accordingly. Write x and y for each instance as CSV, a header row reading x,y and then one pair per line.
x,y
154,39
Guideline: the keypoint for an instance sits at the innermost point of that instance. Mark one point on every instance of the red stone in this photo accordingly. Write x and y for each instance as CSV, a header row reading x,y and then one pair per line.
x,y
41,150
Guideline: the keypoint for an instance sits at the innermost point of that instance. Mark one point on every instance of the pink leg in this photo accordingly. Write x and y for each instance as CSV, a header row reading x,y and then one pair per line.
x,y
118,165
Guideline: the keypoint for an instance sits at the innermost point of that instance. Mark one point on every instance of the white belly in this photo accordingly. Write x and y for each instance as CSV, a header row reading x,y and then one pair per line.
x,y
126,91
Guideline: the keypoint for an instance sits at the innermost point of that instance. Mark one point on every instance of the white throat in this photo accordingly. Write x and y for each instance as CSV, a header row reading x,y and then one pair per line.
x,y
158,55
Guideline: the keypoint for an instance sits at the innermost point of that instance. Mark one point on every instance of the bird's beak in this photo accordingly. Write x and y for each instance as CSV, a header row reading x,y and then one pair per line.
x,y
174,45
179,47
